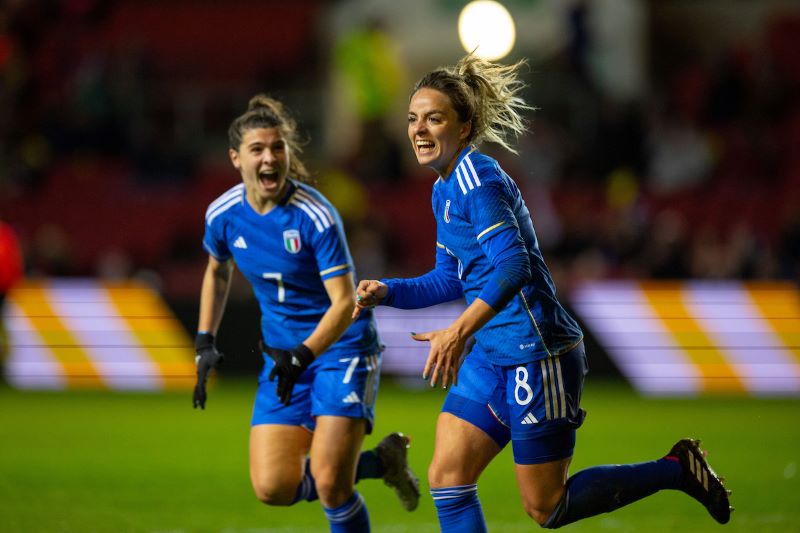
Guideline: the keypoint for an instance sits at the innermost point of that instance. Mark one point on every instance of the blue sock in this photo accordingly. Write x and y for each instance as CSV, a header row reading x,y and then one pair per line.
x,y
370,466
307,490
459,509
601,489
350,517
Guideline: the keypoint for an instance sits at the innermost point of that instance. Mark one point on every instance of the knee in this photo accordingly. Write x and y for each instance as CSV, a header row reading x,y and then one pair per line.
x,y
333,491
436,476
441,474
541,509
269,492
539,514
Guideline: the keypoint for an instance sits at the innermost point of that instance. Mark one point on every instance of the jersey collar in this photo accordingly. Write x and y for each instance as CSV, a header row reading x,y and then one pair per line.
x,y
290,188
464,153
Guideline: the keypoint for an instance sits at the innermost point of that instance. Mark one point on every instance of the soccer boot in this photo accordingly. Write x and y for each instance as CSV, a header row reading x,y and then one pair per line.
x,y
393,453
700,481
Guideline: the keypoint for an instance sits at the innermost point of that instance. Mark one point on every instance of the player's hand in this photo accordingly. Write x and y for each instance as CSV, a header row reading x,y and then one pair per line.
x,y
289,366
207,358
445,356
369,293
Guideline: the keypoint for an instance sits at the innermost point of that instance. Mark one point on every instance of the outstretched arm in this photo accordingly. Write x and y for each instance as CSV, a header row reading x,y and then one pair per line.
x,y
440,285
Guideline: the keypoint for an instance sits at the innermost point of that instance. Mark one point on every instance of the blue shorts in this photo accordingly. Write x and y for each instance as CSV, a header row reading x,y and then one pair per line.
x,y
535,405
337,384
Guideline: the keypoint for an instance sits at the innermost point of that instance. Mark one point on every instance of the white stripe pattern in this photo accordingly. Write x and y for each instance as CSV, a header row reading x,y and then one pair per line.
x,y
373,370
453,492
466,174
555,401
315,210
545,388
347,514
472,170
224,202
560,386
460,181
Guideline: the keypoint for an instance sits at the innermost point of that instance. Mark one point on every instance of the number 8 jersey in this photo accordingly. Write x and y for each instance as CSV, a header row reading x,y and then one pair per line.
x,y
286,255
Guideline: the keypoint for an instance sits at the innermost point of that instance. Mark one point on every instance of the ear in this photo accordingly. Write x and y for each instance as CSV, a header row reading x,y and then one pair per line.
x,y
466,129
234,155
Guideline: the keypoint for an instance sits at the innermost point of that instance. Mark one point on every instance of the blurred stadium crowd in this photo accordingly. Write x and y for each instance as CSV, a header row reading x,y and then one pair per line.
x,y
114,116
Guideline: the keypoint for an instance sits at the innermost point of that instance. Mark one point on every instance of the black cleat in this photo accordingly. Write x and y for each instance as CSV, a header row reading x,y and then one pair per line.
x,y
700,481
393,453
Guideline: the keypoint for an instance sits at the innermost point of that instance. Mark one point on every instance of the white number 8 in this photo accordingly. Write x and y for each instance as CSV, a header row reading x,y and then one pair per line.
x,y
522,383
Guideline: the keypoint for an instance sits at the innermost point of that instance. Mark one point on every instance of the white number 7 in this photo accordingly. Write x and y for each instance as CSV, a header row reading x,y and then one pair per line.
x,y
279,280
353,364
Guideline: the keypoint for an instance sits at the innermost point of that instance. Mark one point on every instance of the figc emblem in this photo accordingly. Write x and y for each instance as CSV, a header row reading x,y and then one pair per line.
x,y
291,241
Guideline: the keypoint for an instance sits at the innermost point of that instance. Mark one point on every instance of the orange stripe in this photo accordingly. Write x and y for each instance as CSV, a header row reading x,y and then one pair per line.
x,y
668,304
158,332
779,304
79,371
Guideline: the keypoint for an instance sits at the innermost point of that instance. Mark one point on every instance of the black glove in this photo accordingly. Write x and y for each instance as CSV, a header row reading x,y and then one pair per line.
x,y
207,358
289,366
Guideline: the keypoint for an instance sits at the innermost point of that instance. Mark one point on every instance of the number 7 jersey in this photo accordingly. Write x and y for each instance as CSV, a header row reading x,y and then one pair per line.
x,y
286,255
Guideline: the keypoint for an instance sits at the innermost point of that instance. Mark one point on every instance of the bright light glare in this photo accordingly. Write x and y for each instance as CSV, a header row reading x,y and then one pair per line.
x,y
487,25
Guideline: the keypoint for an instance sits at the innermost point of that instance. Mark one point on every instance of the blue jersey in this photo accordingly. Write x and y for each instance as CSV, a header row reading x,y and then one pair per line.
x,y
481,220
286,255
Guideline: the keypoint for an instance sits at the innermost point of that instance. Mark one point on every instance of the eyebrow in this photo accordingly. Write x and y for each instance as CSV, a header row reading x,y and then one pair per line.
x,y
428,113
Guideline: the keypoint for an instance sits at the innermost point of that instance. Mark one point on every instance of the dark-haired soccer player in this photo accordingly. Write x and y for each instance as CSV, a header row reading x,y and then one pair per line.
x,y
289,243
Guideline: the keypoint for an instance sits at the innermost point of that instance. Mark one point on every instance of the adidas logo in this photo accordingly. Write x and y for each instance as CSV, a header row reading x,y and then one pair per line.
x,y
530,419
239,243
697,469
351,398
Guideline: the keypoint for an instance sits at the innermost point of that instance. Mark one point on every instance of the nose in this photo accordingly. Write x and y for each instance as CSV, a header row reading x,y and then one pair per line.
x,y
267,156
418,127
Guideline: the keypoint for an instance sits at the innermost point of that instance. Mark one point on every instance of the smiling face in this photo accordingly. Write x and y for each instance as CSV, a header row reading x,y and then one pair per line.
x,y
436,133
263,161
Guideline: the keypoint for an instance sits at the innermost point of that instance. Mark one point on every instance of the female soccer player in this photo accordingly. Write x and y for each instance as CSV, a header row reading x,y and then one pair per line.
x,y
523,378
288,241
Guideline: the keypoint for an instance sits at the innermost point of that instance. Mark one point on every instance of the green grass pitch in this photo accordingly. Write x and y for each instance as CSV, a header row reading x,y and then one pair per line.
x,y
111,462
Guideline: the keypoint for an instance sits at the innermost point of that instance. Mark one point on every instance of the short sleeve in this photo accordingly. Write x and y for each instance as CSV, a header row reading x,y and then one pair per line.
x,y
214,242
330,250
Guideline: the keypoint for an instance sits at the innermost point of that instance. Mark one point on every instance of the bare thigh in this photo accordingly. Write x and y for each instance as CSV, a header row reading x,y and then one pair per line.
x,y
541,487
335,450
277,459
461,454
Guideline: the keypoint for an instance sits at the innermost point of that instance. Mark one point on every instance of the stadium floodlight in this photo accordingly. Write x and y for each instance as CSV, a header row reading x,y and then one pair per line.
x,y
486,27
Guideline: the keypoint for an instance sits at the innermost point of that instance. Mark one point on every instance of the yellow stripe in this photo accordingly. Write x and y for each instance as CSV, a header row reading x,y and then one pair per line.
x,y
440,245
779,304
159,333
333,269
487,230
79,372
667,302
535,324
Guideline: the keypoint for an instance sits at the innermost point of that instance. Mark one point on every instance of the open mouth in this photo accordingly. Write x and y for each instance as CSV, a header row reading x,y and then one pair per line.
x,y
268,179
424,147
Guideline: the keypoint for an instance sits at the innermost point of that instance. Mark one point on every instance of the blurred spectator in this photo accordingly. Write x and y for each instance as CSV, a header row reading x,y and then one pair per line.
x,y
679,156
697,176
10,274
373,78
50,254
668,250
789,246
